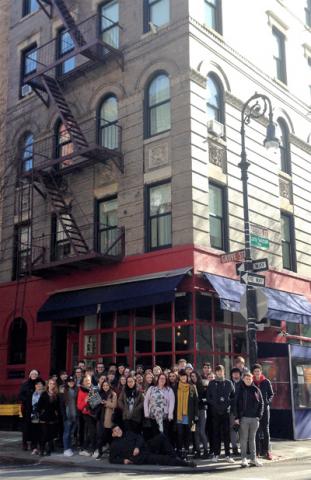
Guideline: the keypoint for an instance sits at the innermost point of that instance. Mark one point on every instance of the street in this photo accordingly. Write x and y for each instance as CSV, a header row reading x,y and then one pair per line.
x,y
291,470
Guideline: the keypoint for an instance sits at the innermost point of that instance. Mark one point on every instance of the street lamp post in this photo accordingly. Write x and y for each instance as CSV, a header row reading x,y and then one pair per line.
x,y
255,107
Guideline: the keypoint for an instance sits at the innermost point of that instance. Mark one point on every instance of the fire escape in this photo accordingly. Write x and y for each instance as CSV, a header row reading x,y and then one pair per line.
x,y
81,145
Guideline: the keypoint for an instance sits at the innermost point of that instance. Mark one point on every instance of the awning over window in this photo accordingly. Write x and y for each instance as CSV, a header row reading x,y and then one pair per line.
x,y
139,292
281,305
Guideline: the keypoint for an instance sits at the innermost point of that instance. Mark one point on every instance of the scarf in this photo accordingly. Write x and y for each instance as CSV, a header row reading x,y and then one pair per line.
x,y
182,400
261,378
157,405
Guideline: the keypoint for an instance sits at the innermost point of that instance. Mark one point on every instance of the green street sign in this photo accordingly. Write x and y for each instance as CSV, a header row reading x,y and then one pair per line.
x,y
259,242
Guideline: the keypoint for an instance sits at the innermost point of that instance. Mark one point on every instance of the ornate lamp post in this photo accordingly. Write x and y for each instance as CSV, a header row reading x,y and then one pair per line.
x,y
255,107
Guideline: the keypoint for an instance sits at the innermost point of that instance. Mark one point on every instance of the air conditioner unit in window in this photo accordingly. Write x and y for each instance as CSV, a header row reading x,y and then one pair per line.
x,y
215,128
26,90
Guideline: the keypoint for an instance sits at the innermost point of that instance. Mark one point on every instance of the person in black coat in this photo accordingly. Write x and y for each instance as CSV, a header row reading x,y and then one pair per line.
x,y
220,394
49,412
26,390
236,378
130,448
264,447
248,414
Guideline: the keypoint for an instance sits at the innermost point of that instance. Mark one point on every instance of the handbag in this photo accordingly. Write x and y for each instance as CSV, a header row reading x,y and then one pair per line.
x,y
94,400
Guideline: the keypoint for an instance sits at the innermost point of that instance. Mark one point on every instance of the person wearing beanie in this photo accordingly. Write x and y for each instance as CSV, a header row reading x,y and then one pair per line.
x,y
264,447
236,378
26,390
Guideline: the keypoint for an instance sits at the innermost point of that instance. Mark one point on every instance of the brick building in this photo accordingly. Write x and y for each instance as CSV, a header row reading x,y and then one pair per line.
x,y
123,121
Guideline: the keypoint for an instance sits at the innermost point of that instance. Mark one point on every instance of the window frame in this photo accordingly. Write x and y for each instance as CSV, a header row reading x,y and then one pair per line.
x,y
280,61
220,93
115,25
57,244
22,340
148,218
28,7
285,151
60,69
24,148
33,47
291,243
148,108
110,125
109,228
147,14
224,219
217,15
17,251
308,13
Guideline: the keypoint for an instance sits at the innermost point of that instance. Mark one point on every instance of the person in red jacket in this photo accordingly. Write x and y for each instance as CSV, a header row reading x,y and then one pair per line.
x,y
89,420
263,447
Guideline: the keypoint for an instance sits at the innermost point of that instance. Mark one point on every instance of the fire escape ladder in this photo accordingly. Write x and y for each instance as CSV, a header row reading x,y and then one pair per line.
x,y
55,93
64,214
42,4
68,20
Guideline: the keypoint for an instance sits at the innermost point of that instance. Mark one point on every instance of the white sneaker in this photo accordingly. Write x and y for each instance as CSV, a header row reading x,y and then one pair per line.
x,y
95,454
215,459
230,460
85,453
105,448
244,463
68,453
256,463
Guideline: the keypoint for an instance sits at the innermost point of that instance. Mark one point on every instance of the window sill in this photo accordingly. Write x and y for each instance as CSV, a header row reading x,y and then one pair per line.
x,y
280,83
159,136
151,33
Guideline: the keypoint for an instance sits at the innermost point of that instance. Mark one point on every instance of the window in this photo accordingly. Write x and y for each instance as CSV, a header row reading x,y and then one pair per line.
x,y
212,14
22,254
17,342
159,216
108,123
107,224
27,153
61,242
279,55
217,217
29,66
63,144
283,135
308,13
158,105
30,6
65,46
288,242
109,25
214,103
156,12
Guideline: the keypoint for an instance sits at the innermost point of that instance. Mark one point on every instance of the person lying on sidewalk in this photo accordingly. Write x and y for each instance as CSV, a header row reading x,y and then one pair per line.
x,y
130,448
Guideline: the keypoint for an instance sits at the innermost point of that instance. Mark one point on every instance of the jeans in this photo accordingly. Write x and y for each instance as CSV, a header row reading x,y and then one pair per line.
x,y
263,446
183,437
89,433
234,436
69,428
200,434
221,430
248,429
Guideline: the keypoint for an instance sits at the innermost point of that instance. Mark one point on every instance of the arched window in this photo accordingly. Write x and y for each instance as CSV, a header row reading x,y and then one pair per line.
x,y
17,342
63,144
214,101
283,135
158,105
27,153
108,123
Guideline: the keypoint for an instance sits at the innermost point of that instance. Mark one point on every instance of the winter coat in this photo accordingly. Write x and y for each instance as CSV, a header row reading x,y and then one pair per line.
x,y
68,404
48,408
168,405
249,402
82,401
193,405
220,394
123,447
137,413
266,390
106,410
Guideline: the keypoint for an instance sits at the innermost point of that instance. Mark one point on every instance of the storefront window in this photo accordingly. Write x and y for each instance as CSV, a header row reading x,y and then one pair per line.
x,y
163,313
183,307
204,337
90,322
123,318
106,343
122,341
222,340
107,320
90,345
163,339
143,316
143,341
239,341
165,361
183,337
203,307
301,369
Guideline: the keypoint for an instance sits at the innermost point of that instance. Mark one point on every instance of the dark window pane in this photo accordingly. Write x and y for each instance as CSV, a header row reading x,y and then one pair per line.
x,y
90,322
123,318
122,341
222,340
143,341
159,12
159,108
163,340
204,337
164,361
183,308
143,316
163,313
145,360
184,337
107,320
203,307
90,345
106,343
219,313
239,342
203,357
17,342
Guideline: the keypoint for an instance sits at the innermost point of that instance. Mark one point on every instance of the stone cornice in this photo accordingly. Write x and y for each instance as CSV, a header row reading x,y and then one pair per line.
x,y
196,77
306,147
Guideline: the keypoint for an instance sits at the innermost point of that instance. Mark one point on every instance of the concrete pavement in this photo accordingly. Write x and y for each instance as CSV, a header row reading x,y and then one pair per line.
x,y
11,452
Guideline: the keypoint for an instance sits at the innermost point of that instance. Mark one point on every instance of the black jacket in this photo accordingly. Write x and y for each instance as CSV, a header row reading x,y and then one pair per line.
x,y
249,402
202,394
26,390
237,387
48,409
220,394
123,447
266,391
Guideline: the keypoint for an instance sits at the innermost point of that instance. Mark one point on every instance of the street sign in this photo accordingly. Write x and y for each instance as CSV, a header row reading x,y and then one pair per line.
x,y
259,242
258,266
253,279
237,256
261,304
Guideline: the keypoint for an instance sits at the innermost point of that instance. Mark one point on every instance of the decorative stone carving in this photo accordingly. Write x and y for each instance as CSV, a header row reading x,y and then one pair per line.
x,y
286,189
158,155
218,155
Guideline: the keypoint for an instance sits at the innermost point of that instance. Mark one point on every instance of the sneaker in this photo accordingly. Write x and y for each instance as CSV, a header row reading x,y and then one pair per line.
x,y
215,458
197,455
68,453
229,459
235,451
190,464
244,463
85,453
255,463
269,456
35,452
105,448
95,454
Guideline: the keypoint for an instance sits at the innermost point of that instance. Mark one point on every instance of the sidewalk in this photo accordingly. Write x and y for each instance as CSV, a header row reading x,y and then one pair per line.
x,y
10,452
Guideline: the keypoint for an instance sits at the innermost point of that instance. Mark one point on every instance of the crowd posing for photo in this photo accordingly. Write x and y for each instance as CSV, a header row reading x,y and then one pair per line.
x,y
150,416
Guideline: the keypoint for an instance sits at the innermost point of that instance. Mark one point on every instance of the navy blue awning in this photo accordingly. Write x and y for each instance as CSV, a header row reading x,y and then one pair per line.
x,y
281,305
130,294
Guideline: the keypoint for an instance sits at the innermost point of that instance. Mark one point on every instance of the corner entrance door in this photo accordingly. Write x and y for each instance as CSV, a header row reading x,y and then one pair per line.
x,y
72,351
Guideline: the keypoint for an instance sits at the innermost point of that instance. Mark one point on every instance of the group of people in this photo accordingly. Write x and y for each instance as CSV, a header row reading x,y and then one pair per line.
x,y
154,416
